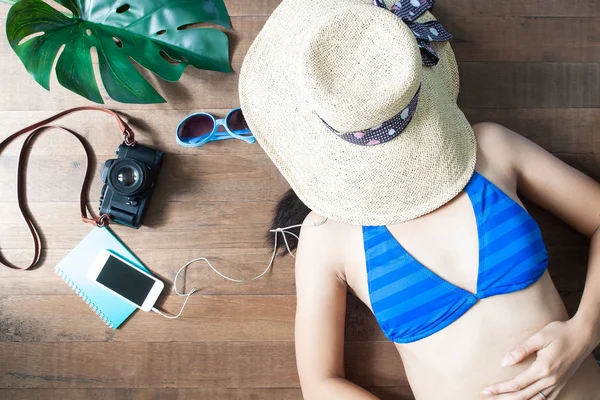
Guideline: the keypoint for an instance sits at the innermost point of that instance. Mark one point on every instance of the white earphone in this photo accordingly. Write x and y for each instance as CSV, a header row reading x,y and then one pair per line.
x,y
284,231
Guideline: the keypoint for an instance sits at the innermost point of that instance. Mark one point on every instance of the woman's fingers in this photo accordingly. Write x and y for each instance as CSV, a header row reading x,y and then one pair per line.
x,y
532,374
529,393
549,393
522,351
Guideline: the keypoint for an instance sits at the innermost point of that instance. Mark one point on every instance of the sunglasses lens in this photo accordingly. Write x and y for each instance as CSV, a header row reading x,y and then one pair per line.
x,y
237,122
196,125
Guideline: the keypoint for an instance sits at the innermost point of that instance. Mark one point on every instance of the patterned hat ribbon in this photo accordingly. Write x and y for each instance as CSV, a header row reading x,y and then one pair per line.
x,y
383,132
425,33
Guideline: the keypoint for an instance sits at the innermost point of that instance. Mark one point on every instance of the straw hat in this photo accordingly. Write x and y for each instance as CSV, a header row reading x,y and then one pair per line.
x,y
337,95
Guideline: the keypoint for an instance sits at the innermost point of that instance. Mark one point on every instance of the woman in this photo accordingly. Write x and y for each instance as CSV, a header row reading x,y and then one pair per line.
x,y
414,211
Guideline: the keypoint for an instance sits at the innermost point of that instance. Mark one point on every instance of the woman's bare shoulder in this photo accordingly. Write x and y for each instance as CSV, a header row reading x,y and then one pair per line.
x,y
323,226
496,154
320,244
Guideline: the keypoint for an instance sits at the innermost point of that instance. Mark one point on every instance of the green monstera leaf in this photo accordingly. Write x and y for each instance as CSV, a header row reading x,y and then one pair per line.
x,y
150,32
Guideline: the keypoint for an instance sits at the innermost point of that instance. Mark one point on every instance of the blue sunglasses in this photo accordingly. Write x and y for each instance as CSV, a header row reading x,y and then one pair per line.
x,y
200,128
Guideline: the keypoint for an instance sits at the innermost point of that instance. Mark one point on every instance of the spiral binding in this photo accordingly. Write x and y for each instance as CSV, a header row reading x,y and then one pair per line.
x,y
85,298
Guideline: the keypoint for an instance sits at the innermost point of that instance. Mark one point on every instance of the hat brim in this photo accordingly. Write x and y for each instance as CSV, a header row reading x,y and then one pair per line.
x,y
423,168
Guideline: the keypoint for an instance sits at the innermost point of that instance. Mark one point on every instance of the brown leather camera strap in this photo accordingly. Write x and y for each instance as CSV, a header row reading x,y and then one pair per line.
x,y
35,130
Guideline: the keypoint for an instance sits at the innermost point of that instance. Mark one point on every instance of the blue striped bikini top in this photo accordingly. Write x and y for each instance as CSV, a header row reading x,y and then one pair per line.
x,y
410,302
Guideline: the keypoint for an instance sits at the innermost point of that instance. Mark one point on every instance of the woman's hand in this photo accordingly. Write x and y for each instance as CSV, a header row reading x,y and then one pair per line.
x,y
560,349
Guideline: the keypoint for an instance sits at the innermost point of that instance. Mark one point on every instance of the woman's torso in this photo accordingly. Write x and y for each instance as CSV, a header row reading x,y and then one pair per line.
x,y
465,356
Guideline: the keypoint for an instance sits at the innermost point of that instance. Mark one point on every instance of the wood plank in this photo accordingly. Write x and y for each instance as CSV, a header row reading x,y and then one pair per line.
x,y
540,8
206,318
385,393
484,85
530,65
392,393
15,81
571,300
242,8
568,250
568,265
558,130
209,177
182,365
189,225
589,163
102,133
235,8
167,225
556,233
476,38
234,262
529,85
150,394
245,29
35,318
205,177
534,8
515,8
203,89
467,8
536,39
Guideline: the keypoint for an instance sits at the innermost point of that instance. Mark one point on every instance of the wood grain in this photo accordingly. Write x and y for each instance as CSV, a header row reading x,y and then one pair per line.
x,y
181,364
559,130
568,266
245,8
33,319
168,225
476,38
516,8
534,39
529,85
235,262
499,84
150,394
207,178
182,178
384,393
213,226
531,65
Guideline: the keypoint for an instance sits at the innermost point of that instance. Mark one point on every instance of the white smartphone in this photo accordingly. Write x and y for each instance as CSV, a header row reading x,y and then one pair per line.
x,y
125,280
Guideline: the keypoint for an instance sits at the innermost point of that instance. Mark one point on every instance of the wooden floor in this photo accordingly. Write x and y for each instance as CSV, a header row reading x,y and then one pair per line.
x,y
533,65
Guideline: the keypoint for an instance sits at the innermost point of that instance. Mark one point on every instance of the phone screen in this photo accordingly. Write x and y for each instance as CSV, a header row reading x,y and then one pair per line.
x,y
125,280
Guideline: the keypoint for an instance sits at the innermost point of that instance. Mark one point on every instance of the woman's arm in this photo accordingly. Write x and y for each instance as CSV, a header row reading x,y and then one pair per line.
x,y
589,307
574,197
320,318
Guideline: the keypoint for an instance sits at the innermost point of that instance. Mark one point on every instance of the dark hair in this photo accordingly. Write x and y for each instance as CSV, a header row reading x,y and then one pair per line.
x,y
290,210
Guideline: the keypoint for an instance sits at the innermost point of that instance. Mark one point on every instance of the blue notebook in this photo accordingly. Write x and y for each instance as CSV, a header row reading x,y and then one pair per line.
x,y
74,270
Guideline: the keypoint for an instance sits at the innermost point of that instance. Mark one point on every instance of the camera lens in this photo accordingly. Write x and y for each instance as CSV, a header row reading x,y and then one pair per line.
x,y
128,176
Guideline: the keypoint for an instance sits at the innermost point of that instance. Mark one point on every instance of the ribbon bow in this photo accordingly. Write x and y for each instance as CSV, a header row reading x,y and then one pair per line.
x,y
425,33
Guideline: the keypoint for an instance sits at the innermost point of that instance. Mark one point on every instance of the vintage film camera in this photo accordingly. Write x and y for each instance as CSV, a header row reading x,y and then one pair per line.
x,y
128,183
